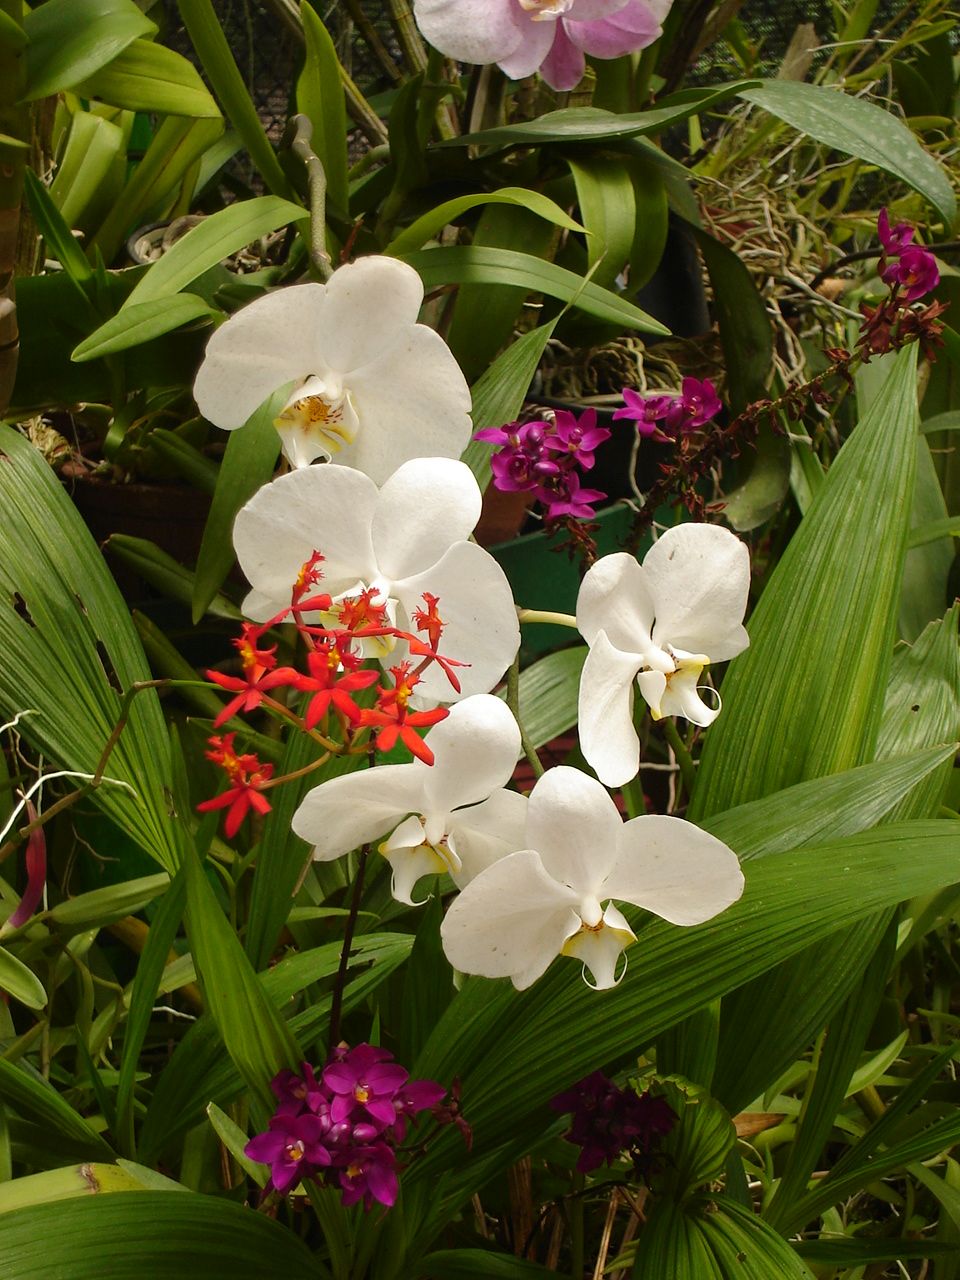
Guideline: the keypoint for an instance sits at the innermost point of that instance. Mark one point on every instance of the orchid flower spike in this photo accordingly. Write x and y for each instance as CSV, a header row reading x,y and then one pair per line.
x,y
401,542
370,388
660,623
553,896
549,36
450,817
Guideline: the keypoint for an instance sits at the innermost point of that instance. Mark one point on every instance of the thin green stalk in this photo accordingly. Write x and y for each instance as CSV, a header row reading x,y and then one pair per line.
x,y
408,37
336,1004
513,702
317,186
544,615
688,770
210,44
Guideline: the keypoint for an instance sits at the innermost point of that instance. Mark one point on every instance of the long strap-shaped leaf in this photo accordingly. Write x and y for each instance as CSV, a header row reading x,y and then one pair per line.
x,y
68,645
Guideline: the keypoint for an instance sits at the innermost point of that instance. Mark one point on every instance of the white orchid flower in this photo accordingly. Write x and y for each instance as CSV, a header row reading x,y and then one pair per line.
x,y
372,388
554,896
453,816
660,623
401,541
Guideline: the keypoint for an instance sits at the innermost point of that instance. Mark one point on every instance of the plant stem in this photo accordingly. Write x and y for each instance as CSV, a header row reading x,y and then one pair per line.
x,y
371,39
408,37
336,1004
317,185
688,770
513,702
544,615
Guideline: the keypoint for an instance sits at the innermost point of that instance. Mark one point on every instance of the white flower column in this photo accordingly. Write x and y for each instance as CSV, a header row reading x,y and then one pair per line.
x,y
556,895
372,388
452,816
659,623
405,539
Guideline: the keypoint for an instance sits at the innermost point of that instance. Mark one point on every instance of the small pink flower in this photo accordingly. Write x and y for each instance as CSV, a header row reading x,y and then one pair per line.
x,y
915,271
549,36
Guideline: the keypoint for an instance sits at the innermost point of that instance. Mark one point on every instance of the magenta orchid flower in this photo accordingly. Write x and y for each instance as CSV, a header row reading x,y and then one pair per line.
x,y
549,36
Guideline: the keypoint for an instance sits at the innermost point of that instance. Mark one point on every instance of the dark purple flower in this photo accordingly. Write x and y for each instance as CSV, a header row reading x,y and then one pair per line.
x,y
293,1147
577,438
296,1093
915,272
363,1088
416,1095
646,411
606,1121
370,1176
564,497
894,240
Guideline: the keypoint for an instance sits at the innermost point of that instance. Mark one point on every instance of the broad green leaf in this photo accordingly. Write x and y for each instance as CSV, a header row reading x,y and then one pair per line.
x,y
478,1264
151,1233
255,1036
609,211
499,393
861,129
806,697
29,1097
213,240
234,1139
158,568
590,124
745,1246
90,169
926,569
477,264
136,325
320,98
60,242
828,808
101,907
68,645
149,77
68,40
65,1184
673,972
174,149
427,226
20,982
185,458
850,1251
212,48
248,463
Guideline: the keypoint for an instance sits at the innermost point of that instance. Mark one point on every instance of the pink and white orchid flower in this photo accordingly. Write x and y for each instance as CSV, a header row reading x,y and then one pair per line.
x,y
401,541
554,896
549,36
659,623
453,816
371,387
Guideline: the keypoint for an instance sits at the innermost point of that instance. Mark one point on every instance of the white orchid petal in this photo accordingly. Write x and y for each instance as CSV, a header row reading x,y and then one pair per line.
x,y
614,597
470,32
574,825
413,402
487,832
475,749
681,697
408,865
608,739
258,350
424,507
674,869
601,948
480,620
510,922
323,508
369,304
699,576
346,812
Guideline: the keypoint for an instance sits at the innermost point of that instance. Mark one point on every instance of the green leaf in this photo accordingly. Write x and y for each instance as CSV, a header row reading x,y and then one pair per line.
x,y
478,1264
135,325
806,697
209,243
60,243
101,907
609,211
427,226
185,458
675,972
846,1251
158,568
858,128
473,264
248,463
320,98
20,982
934,530
590,124
499,393
149,77
90,169
234,1139
68,40
29,1097
549,690
255,1036
53,1185
151,1233
68,644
